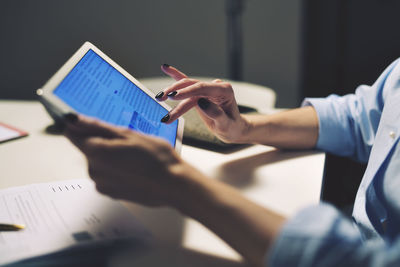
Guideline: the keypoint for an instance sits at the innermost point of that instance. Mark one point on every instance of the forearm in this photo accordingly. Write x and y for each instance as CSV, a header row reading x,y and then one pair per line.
x,y
293,129
247,227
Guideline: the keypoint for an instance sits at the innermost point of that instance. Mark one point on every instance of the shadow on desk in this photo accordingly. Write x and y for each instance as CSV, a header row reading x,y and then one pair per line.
x,y
169,231
219,148
168,256
239,173
129,254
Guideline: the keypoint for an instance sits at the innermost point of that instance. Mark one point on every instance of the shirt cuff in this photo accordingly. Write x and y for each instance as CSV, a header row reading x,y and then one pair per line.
x,y
327,129
305,239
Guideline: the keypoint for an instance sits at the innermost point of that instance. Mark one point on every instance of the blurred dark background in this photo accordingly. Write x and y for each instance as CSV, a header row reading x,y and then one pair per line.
x,y
37,37
298,48
345,43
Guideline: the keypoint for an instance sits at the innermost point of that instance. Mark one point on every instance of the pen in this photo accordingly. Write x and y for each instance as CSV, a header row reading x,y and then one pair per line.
x,y
11,227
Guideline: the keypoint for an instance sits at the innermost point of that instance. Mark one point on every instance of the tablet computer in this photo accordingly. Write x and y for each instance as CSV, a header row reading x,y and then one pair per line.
x,y
92,84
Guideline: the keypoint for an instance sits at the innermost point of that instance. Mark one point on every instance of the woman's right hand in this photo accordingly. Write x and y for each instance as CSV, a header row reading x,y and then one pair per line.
x,y
214,101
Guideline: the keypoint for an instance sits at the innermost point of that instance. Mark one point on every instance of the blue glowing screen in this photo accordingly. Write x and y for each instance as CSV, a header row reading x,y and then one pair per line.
x,y
95,88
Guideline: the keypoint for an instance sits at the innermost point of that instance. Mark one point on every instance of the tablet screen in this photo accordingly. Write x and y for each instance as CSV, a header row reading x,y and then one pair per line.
x,y
97,89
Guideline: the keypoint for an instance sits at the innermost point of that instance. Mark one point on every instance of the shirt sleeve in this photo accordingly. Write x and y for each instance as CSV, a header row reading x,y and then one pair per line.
x,y
348,124
321,236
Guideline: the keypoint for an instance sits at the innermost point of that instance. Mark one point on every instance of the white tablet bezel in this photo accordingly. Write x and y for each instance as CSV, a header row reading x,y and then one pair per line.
x,y
57,108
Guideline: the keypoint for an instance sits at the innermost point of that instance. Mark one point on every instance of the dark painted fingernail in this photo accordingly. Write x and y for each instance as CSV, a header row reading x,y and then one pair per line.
x,y
71,118
160,94
172,94
203,103
165,65
165,118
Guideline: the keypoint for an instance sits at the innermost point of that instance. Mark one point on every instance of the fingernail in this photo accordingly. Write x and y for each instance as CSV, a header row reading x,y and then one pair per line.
x,y
165,65
172,94
71,118
159,95
165,118
203,103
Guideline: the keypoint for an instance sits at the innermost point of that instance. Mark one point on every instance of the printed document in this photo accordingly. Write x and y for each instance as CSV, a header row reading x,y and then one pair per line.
x,y
61,215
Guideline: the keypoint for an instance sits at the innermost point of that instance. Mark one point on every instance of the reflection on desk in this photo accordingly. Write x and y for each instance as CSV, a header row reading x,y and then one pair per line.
x,y
283,181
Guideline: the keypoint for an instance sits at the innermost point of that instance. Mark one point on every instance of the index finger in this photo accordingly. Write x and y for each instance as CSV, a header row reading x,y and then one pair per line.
x,y
174,73
212,91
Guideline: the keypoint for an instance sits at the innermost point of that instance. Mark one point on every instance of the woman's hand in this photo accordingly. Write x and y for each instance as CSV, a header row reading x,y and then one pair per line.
x,y
214,101
128,165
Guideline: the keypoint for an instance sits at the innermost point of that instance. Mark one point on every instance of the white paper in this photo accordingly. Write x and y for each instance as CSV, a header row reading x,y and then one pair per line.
x,y
7,133
61,215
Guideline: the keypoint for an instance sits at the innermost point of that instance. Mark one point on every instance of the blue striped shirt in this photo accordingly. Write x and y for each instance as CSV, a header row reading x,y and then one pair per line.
x,y
364,126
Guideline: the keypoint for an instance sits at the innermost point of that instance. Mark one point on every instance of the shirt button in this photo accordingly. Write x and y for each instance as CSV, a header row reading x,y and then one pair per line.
x,y
392,134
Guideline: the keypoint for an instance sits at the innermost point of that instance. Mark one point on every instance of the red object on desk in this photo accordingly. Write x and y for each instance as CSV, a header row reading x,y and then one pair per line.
x,y
8,132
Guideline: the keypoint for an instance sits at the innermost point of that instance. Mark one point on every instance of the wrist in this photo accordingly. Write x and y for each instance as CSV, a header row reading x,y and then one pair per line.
x,y
201,197
247,126
188,189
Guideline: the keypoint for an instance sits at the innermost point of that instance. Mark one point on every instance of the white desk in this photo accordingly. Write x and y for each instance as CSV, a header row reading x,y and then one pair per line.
x,y
282,181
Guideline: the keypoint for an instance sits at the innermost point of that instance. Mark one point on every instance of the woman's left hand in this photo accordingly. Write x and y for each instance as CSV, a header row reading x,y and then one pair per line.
x,y
128,165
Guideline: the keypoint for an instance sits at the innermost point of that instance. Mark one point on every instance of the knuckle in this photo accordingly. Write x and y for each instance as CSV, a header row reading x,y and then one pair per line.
x,y
227,88
226,85
191,80
185,80
202,85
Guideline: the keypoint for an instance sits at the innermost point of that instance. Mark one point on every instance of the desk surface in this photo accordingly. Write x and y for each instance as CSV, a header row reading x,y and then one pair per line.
x,y
282,181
